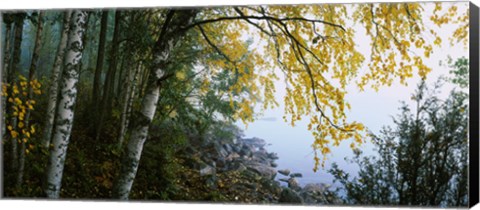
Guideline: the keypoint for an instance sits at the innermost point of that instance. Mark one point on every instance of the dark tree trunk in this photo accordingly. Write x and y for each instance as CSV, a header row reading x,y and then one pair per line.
x,y
15,66
31,78
96,91
7,51
108,88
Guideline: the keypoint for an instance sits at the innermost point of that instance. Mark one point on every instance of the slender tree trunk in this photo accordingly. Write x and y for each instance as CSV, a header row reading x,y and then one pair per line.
x,y
84,42
56,73
110,78
66,104
96,91
170,34
16,53
6,18
129,86
31,77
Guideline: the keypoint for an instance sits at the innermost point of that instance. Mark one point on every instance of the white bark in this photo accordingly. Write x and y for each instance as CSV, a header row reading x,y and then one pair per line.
x,y
135,145
169,36
66,104
53,90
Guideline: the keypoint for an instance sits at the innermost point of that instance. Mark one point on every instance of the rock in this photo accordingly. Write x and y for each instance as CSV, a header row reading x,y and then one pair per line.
x,y
261,157
263,170
207,170
256,142
293,184
228,147
211,182
283,180
221,162
289,196
273,156
232,156
315,187
318,193
246,151
241,167
284,172
293,175
271,186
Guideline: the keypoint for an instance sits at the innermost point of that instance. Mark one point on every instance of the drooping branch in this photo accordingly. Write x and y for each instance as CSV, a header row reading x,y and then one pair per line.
x,y
214,46
297,46
268,18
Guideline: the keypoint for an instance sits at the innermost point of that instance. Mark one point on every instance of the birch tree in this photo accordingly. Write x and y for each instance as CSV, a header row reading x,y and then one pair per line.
x,y
56,73
169,36
66,104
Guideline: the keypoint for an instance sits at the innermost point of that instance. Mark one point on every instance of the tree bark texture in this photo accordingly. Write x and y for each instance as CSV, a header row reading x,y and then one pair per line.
x,y
66,104
56,73
171,33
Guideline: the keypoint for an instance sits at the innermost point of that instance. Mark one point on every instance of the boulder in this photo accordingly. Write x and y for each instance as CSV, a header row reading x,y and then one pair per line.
x,y
261,157
207,170
211,182
273,156
256,142
293,175
284,172
289,196
232,156
318,193
293,184
271,186
315,187
262,169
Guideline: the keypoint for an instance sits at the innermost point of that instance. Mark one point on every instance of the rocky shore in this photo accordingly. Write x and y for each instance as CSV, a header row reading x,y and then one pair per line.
x,y
243,170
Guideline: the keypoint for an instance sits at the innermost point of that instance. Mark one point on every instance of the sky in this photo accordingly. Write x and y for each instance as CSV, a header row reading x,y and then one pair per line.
x,y
373,109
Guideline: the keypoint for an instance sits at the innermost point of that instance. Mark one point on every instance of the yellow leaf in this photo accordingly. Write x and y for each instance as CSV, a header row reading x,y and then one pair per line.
x,y
22,78
14,134
18,101
180,75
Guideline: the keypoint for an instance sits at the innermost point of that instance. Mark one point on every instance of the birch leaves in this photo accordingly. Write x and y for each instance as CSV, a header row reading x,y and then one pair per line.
x,y
314,47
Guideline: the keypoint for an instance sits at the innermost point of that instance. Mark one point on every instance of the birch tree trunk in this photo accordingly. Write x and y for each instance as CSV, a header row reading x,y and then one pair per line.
x,y
169,36
66,104
53,90
31,77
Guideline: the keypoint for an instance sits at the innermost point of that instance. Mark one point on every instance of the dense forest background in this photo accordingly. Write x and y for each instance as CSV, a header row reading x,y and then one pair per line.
x,y
145,100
